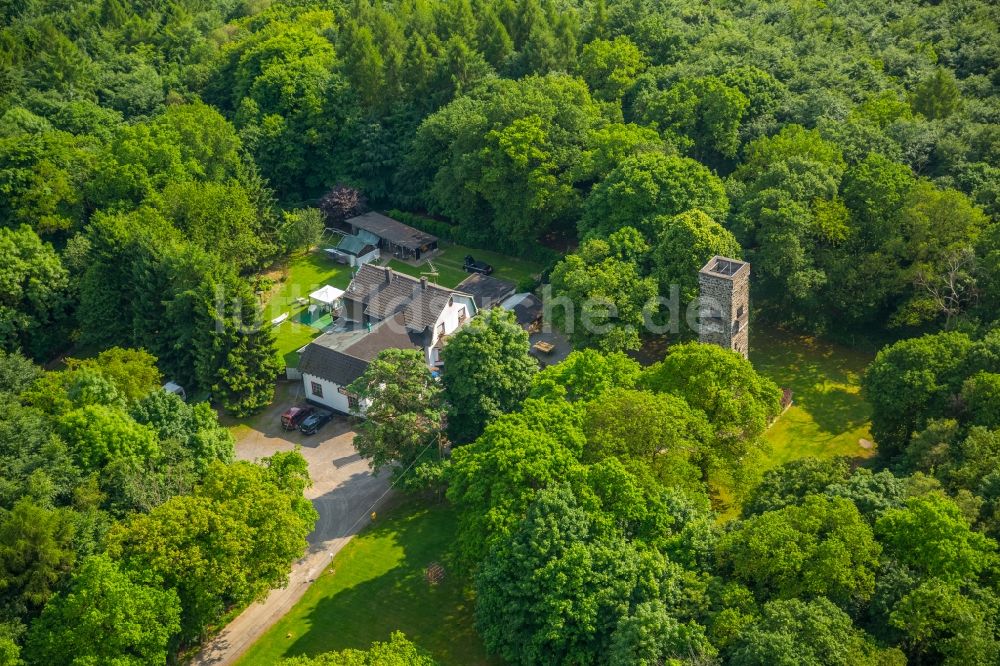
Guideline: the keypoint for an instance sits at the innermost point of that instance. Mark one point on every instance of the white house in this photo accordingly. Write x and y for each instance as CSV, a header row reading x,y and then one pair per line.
x,y
382,309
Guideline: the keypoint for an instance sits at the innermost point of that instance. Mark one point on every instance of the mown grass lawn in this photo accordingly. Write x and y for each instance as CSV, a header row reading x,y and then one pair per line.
x,y
449,264
299,277
828,416
376,585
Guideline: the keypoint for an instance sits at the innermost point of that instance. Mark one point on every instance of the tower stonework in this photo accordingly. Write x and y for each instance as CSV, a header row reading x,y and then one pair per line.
x,y
724,306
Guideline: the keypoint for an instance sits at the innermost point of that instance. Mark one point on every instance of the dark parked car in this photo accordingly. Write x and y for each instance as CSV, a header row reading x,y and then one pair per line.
x,y
294,416
314,422
473,266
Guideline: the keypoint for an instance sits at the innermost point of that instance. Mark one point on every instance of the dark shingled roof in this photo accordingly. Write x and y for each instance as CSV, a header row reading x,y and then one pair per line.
x,y
528,310
487,291
425,307
392,230
331,364
342,357
368,281
393,333
386,292
392,298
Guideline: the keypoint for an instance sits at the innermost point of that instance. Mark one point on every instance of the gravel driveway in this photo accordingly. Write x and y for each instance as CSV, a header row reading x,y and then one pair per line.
x,y
343,493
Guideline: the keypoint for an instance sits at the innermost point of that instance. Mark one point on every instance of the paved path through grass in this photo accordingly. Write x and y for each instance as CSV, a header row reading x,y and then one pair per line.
x,y
343,490
377,585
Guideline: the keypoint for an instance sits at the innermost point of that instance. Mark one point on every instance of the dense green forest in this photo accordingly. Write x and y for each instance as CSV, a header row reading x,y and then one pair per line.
x,y
157,156
126,528
586,516
154,155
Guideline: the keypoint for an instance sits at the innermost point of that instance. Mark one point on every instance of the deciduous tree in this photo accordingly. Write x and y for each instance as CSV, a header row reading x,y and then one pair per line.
x,y
555,591
647,185
931,536
683,244
911,382
738,401
610,67
606,300
493,480
814,632
659,431
106,616
34,294
584,375
791,482
488,371
228,543
403,411
821,548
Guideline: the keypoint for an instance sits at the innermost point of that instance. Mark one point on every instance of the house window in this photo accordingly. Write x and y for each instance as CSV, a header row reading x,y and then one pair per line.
x,y
461,314
441,328
736,326
739,312
317,389
352,403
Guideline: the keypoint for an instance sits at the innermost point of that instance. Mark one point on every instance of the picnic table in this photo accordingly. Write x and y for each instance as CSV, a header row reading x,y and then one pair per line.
x,y
543,347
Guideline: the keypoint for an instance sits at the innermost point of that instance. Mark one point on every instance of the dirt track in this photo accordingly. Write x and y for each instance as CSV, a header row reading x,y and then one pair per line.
x,y
343,491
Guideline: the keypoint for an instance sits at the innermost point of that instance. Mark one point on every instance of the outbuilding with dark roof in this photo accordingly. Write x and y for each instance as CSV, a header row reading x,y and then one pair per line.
x,y
401,240
488,291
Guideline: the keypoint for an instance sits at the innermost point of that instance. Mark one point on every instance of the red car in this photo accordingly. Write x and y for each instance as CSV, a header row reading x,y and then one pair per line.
x,y
294,416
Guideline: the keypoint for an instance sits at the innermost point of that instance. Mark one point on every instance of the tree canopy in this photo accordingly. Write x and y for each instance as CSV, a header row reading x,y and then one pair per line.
x,y
488,372
159,160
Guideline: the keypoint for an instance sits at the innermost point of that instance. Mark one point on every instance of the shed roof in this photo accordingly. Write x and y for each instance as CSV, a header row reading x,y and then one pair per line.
x,y
487,291
527,308
392,230
331,364
355,245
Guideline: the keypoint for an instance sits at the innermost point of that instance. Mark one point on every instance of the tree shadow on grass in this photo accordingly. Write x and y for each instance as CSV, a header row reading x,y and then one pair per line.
x,y
377,585
824,377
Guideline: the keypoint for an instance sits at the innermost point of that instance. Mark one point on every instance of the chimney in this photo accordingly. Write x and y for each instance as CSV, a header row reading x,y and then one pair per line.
x,y
388,275
423,282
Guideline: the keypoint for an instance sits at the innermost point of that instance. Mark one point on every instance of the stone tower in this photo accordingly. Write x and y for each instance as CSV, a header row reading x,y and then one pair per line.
x,y
724,308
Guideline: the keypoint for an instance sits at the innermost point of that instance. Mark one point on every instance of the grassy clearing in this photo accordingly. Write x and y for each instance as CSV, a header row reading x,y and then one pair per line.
x,y
827,418
828,415
450,261
375,586
300,276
